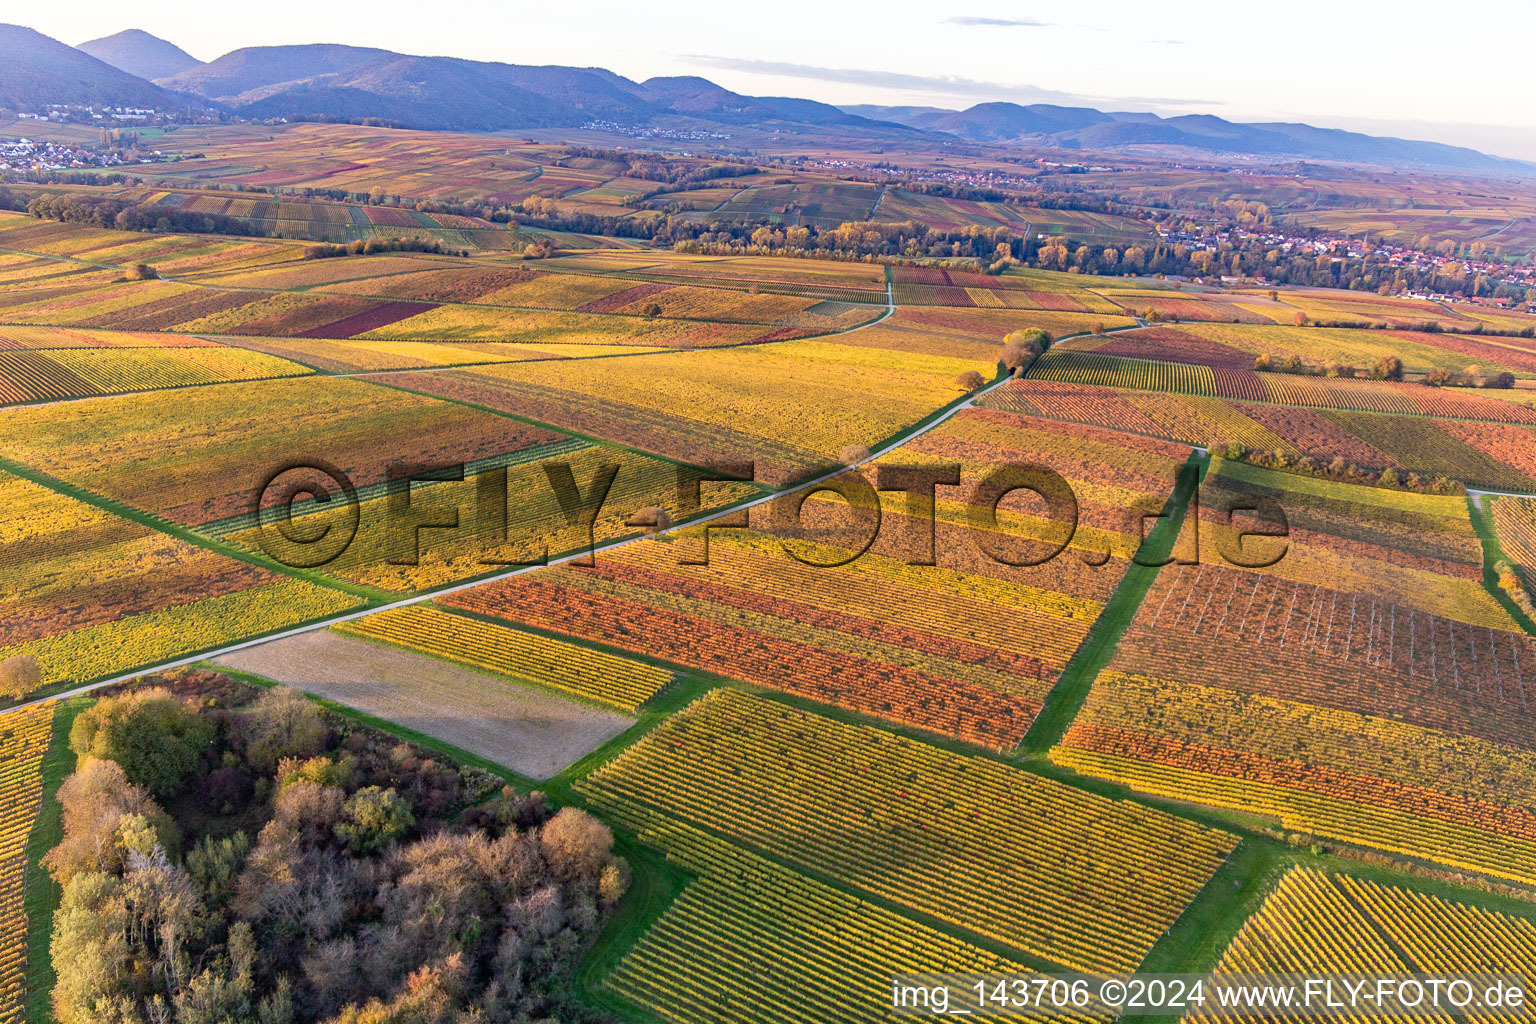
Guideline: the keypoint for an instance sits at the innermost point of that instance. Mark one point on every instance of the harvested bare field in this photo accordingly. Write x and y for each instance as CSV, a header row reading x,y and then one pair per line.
x,y
533,733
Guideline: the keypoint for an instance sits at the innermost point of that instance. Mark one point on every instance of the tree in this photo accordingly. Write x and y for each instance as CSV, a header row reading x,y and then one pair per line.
x,y
215,863
96,800
575,844
19,675
1300,319
90,951
156,739
374,818
613,883
970,380
1438,377
1021,347
311,810
283,723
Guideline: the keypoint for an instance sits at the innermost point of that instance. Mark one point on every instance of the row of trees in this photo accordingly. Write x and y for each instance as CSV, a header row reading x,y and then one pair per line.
x,y
123,215
371,246
229,861
1388,367
1339,469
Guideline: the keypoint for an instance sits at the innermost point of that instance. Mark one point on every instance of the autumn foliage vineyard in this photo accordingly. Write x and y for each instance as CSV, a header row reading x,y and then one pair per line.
x,y
1316,921
918,714
24,738
927,829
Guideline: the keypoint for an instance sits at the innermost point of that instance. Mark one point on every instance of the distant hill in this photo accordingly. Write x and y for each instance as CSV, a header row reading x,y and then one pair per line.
x,y
336,81
1086,128
38,71
990,122
449,93
139,53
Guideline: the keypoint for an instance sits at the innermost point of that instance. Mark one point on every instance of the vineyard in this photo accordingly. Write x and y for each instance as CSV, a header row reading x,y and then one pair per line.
x,y
1365,686
508,512
945,835
24,738
1144,374
890,722
76,373
1515,521
267,288
350,356
1420,549
162,633
966,646
1071,365
1237,346
1341,714
165,459
921,286
751,938
14,337
131,596
1491,450
1317,921
605,678
783,406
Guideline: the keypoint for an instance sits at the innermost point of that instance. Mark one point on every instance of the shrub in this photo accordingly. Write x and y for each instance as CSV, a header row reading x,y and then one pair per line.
x,y
1388,367
653,519
853,455
1511,584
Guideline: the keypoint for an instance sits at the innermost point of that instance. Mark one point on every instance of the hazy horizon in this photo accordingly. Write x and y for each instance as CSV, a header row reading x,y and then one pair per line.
x,y
1208,60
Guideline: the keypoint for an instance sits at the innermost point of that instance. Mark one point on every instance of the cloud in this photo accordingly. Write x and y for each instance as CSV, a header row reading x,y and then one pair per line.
x,y
946,85
970,22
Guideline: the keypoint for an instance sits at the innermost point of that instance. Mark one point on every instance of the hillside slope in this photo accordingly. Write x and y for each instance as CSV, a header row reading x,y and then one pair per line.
x,y
141,54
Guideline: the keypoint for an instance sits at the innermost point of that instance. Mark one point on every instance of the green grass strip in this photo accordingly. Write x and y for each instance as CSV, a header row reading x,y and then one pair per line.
x,y
1071,689
40,894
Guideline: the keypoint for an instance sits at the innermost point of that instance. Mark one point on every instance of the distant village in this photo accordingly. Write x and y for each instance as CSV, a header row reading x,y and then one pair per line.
x,y
45,155
74,113
639,132
1403,257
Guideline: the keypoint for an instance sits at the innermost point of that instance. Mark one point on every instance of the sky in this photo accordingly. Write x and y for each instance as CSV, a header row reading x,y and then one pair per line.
x,y
1411,69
